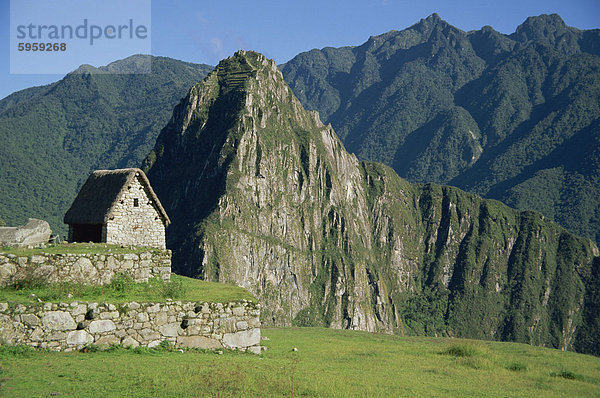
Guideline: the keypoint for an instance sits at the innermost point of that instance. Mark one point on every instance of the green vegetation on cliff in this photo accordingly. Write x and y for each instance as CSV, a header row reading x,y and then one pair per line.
x,y
54,136
328,363
263,195
510,117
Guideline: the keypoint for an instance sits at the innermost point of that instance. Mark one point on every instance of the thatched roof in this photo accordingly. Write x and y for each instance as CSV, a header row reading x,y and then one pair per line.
x,y
95,202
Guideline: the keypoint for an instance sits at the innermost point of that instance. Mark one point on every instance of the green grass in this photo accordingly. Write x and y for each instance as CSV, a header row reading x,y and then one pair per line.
x,y
327,363
78,248
123,289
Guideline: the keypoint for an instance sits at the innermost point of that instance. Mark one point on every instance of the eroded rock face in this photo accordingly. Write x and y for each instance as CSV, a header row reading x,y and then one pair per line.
x,y
263,195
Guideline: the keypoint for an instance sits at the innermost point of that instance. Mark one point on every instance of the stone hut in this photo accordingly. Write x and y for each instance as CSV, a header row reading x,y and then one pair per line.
x,y
119,207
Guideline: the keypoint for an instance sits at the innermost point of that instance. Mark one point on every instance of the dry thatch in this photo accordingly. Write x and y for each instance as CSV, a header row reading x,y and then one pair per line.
x,y
95,202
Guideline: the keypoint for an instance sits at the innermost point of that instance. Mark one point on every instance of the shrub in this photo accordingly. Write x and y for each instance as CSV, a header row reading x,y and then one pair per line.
x,y
91,348
516,367
567,374
121,284
461,350
165,345
173,289
20,350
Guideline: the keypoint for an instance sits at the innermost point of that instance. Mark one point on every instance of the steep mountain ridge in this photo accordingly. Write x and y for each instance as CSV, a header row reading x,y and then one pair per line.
x,y
263,195
480,110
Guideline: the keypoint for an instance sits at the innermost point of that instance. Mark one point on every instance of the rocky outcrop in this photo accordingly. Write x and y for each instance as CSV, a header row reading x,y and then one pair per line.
x,y
263,195
89,268
71,326
34,233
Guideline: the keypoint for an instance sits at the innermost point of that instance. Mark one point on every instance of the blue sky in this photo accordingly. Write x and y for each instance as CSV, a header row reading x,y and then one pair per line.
x,y
206,31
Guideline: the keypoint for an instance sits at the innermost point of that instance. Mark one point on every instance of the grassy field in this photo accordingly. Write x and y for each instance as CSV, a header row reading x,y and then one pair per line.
x,y
123,289
327,363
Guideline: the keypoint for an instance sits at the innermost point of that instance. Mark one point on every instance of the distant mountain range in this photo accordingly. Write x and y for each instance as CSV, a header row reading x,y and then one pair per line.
x,y
53,136
510,117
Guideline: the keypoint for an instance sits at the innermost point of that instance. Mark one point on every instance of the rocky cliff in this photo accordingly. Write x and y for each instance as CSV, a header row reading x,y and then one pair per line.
x,y
263,195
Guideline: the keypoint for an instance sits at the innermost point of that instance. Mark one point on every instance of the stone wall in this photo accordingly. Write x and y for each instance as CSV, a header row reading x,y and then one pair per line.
x,y
71,326
139,225
91,269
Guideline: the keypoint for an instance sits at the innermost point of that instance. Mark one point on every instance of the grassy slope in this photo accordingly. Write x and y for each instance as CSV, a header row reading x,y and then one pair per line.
x,y
327,363
121,291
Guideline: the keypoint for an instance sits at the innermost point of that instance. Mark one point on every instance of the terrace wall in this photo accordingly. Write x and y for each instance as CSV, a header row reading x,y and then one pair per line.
x,y
91,269
71,326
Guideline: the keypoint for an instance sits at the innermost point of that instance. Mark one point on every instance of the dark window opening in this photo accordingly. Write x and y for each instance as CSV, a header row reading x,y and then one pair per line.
x,y
87,233
136,202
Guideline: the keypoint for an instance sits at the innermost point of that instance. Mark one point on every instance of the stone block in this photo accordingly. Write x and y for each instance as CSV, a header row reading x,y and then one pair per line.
x,y
149,334
58,320
31,234
109,315
36,259
56,336
245,338
129,342
241,325
3,307
112,263
37,334
30,320
101,326
79,309
154,308
254,349
79,337
198,342
108,340
154,343
142,317
83,271
226,325
170,329
239,311
161,318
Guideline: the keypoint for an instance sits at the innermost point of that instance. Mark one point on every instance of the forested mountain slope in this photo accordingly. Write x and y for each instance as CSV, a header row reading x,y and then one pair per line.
x,y
53,136
511,117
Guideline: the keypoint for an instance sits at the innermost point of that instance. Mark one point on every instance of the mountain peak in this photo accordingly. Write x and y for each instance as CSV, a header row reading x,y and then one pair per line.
x,y
244,60
233,72
431,21
434,17
543,21
549,30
